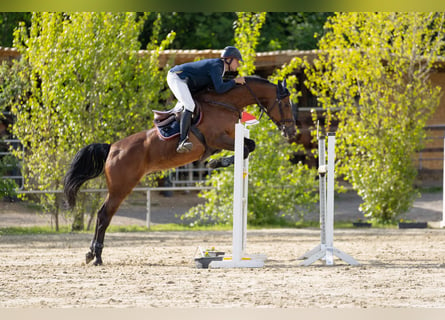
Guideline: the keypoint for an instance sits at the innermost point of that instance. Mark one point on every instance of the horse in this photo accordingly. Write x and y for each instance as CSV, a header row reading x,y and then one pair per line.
x,y
126,161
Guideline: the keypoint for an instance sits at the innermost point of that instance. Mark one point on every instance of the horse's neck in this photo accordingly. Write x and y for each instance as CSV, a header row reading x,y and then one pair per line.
x,y
240,96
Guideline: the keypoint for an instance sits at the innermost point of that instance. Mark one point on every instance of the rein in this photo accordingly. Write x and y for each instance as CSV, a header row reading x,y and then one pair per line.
x,y
227,106
260,105
264,109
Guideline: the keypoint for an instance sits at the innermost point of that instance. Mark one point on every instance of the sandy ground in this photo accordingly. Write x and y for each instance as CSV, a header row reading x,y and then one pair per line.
x,y
398,268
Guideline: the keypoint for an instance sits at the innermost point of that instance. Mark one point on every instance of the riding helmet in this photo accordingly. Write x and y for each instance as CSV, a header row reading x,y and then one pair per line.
x,y
232,52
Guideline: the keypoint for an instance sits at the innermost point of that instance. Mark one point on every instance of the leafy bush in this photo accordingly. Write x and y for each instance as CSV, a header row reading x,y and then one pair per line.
x,y
7,186
375,67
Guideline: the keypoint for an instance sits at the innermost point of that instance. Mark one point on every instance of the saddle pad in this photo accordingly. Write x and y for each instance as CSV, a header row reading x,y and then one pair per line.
x,y
169,130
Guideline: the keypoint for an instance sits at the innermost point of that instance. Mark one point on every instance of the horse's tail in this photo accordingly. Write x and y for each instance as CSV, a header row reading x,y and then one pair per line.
x,y
87,164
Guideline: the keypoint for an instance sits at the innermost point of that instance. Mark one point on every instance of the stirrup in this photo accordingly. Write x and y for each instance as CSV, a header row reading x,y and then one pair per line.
x,y
184,146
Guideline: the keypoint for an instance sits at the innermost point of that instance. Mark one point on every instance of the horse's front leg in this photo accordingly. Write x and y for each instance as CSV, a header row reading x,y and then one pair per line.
x,y
249,146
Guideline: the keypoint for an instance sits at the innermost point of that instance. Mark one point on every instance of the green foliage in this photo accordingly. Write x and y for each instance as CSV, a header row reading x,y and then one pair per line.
x,y
7,186
214,30
8,22
247,32
88,83
376,67
287,72
292,30
203,30
12,88
278,190
14,84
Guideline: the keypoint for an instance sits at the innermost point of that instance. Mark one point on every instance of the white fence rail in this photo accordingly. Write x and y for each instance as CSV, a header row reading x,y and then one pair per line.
x,y
148,191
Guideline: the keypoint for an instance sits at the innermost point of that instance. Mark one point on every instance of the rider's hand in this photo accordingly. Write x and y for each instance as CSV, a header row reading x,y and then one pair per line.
x,y
240,80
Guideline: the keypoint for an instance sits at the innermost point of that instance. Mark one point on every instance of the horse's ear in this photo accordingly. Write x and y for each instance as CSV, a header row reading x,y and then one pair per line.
x,y
282,90
280,87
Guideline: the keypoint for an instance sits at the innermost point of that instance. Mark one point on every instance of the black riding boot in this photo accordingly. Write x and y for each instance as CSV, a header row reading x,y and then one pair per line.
x,y
184,144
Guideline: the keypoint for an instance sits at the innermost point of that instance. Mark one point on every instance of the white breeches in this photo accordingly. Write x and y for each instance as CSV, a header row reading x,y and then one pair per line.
x,y
181,91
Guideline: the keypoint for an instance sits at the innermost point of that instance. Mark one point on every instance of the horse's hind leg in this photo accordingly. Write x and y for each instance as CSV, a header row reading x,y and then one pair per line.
x,y
104,215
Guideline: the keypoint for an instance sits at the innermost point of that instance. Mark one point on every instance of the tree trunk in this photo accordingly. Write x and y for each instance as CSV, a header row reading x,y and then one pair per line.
x,y
78,219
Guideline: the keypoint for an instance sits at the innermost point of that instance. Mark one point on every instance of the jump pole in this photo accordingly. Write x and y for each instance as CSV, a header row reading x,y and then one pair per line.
x,y
326,250
239,258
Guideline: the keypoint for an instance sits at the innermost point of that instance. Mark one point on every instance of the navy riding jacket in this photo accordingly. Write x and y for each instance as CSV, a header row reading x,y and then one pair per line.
x,y
204,73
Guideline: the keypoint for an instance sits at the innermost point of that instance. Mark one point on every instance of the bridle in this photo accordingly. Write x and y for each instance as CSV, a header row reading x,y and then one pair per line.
x,y
281,124
278,102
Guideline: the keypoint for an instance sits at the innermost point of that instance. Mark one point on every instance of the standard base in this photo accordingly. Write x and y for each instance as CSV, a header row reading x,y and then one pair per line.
x,y
327,254
247,261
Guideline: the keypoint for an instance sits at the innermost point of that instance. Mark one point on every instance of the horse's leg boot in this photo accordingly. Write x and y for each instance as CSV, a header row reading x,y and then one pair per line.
x,y
98,253
221,162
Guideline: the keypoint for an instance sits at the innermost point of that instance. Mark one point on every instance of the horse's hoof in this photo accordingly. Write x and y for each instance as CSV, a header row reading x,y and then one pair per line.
x,y
220,163
214,163
225,162
98,262
89,257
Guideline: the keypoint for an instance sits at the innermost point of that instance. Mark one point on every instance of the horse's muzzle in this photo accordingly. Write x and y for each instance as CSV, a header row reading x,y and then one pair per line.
x,y
289,132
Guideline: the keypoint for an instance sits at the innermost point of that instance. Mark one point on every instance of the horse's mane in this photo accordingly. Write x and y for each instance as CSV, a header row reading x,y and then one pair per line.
x,y
249,79
257,79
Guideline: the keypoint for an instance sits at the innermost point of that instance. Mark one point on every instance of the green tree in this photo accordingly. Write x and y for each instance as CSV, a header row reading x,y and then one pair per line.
x,y
203,30
13,90
211,30
8,22
247,32
281,30
376,68
88,84
7,186
292,30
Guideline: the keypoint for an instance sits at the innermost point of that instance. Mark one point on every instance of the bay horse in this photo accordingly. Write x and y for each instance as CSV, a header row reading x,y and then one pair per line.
x,y
126,161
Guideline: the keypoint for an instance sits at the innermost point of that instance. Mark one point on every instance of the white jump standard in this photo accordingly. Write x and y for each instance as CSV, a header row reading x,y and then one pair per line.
x,y
239,258
326,250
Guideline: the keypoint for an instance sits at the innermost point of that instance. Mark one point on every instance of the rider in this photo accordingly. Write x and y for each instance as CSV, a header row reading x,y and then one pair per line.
x,y
191,77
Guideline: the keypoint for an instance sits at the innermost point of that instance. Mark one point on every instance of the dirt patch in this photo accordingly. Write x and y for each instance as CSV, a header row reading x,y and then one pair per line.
x,y
399,268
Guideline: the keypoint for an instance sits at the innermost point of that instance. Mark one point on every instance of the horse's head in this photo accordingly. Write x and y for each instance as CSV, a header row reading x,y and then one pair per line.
x,y
277,106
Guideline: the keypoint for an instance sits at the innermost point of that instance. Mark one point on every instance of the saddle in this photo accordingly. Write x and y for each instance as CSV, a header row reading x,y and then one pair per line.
x,y
167,122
